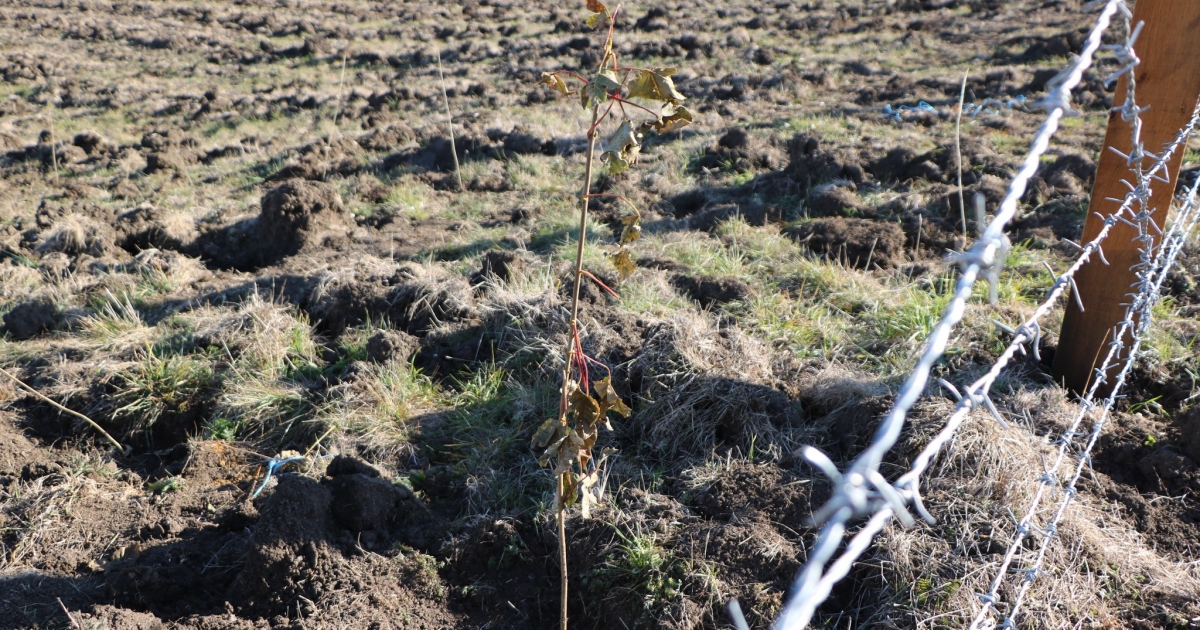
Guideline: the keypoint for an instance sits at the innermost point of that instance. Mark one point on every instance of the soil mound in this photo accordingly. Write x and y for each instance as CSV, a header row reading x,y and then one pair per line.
x,y
391,345
859,243
711,290
309,536
147,227
702,386
295,215
414,298
808,162
30,319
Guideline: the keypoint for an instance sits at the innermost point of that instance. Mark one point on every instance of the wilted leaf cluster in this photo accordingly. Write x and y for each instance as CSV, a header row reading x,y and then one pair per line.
x,y
630,102
644,99
564,445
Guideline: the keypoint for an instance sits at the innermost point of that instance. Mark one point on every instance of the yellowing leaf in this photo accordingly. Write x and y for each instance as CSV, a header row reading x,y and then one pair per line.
x,y
570,488
630,233
616,163
673,117
655,85
595,19
585,409
624,264
556,83
598,88
546,433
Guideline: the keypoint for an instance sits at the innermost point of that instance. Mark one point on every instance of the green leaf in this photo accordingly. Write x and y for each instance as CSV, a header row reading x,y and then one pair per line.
x,y
616,163
598,88
655,85
556,83
166,485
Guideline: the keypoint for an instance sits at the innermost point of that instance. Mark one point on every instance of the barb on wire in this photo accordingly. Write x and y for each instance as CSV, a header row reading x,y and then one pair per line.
x,y
856,491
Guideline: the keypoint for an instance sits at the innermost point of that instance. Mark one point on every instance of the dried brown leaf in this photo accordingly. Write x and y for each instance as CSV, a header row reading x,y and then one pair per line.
x,y
585,409
673,117
556,83
606,396
623,263
547,433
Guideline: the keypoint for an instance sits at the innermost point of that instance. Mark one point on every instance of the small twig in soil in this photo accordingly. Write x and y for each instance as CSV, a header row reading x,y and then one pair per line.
x,y
962,206
74,624
450,120
64,409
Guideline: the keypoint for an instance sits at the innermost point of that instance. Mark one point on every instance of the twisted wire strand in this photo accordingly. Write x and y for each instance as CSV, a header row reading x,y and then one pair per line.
x,y
853,496
907,485
1138,319
1153,266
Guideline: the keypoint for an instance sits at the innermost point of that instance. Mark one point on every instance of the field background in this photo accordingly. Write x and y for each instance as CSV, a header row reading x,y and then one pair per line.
x,y
233,231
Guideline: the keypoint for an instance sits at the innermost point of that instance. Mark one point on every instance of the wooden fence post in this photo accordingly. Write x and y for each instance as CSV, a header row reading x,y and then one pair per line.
x,y
1168,80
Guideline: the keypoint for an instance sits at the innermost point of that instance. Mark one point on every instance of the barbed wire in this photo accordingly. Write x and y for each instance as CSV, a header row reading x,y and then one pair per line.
x,y
1138,319
1151,271
862,490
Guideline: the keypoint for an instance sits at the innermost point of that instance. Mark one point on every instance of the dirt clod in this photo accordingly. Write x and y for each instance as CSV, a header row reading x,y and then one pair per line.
x,y
362,503
712,290
859,243
502,264
146,227
391,345
295,215
31,318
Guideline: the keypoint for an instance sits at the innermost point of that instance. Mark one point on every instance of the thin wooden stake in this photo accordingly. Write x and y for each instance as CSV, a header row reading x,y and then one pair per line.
x,y
962,206
450,119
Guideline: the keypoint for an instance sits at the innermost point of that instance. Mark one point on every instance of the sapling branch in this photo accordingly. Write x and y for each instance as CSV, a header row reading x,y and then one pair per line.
x,y
624,102
602,285
568,439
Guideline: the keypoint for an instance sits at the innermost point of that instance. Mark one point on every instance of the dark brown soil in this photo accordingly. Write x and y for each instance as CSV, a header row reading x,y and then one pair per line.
x,y
30,319
860,243
712,290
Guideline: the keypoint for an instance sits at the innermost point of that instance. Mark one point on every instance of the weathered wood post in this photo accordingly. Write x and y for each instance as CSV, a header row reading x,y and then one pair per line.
x,y
1168,80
